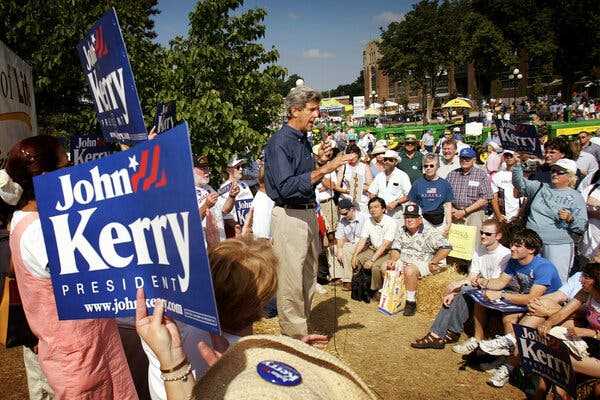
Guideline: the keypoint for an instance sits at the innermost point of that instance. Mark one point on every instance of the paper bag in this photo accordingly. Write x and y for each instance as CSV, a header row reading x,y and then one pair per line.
x,y
392,293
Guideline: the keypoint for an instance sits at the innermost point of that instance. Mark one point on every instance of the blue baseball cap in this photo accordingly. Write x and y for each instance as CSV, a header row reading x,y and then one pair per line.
x,y
467,153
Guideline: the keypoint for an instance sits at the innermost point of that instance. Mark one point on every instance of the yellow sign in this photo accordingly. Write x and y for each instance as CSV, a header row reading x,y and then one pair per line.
x,y
577,129
463,240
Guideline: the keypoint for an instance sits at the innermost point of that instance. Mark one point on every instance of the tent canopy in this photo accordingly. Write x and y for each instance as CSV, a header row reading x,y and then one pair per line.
x,y
458,102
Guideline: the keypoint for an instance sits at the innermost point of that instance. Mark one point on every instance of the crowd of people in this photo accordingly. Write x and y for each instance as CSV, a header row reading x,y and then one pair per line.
x,y
343,210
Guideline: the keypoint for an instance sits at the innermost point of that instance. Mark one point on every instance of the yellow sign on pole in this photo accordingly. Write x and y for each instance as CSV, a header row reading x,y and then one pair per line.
x,y
463,240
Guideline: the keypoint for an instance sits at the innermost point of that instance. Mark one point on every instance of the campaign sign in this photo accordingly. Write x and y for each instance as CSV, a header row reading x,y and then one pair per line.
x,y
498,305
519,137
106,66
86,148
546,356
165,116
126,221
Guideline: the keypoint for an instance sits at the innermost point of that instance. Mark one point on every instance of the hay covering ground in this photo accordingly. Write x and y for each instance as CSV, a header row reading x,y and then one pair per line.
x,y
378,348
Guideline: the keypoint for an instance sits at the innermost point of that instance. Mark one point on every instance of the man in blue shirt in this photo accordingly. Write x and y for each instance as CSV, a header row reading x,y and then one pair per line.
x,y
290,182
433,195
527,277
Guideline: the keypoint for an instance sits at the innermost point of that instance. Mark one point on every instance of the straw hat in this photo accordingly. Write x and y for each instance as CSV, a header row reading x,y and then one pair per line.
x,y
279,367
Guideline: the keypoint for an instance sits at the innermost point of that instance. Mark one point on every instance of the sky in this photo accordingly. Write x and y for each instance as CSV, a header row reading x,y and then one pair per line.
x,y
322,41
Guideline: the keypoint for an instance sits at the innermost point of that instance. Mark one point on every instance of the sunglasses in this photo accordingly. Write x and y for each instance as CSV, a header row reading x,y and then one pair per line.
x,y
507,155
429,166
483,233
389,159
466,159
558,171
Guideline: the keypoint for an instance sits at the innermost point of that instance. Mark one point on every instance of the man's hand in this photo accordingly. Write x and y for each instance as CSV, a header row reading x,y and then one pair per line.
x,y
493,294
325,152
315,340
235,190
458,214
211,200
368,264
447,299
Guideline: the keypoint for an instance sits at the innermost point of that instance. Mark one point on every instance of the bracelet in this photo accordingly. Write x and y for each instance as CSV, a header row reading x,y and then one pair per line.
x,y
175,368
180,377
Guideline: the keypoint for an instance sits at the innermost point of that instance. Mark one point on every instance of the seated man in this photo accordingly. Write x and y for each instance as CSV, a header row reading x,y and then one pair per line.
x,y
417,252
488,262
379,230
347,236
527,277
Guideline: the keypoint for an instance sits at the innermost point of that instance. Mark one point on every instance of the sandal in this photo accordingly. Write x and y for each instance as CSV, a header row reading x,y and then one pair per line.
x,y
428,342
451,337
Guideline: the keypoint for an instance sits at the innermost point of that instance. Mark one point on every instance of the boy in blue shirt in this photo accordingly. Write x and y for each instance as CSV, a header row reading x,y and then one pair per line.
x,y
527,277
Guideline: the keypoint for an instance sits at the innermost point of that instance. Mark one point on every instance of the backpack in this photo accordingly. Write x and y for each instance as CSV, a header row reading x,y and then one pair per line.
x,y
361,285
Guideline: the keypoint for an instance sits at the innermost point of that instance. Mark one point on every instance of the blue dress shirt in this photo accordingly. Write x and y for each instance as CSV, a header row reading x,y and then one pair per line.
x,y
288,164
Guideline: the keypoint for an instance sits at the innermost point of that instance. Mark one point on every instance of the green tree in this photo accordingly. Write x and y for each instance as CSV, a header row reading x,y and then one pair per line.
x,y
225,84
356,88
416,49
45,34
286,85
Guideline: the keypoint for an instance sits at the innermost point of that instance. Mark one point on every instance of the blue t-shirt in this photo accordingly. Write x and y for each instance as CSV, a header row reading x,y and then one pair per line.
x,y
431,195
538,272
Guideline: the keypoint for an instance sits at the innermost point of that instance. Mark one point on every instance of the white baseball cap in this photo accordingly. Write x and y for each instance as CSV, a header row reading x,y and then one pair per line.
x,y
390,154
567,164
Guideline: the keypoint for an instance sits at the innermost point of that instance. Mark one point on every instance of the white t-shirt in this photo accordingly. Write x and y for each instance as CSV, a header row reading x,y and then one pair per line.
x,y
377,232
242,200
202,192
32,246
591,238
572,286
489,264
586,163
262,206
326,194
391,188
503,180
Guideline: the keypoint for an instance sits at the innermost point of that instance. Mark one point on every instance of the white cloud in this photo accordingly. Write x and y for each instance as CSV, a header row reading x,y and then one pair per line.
x,y
387,17
317,53
293,15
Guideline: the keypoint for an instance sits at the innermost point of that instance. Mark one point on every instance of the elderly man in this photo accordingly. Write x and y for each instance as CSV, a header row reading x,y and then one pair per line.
x,y
241,194
417,252
347,237
411,158
392,185
588,146
448,160
379,232
290,181
472,191
433,195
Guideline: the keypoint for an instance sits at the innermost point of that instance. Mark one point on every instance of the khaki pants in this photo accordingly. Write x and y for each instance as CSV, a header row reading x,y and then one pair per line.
x,y
37,384
297,246
347,252
378,269
475,219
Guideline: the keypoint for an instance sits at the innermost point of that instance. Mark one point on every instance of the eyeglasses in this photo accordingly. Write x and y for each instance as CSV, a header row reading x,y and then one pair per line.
x,y
389,159
484,233
429,166
507,155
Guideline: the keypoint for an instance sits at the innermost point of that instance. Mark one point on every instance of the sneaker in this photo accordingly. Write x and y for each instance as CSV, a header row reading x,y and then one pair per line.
x,y
500,346
501,376
466,347
410,308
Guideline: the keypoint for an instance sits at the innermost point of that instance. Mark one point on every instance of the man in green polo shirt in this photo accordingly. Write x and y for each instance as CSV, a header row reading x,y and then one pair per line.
x,y
411,159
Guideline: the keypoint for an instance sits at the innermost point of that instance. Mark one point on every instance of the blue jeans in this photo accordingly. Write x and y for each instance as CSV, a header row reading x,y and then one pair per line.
x,y
453,317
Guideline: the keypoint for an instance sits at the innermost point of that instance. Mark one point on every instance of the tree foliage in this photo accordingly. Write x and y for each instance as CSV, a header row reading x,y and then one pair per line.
x,y
45,34
286,85
356,88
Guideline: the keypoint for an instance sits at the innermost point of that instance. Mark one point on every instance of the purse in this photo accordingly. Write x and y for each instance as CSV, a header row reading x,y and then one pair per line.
x,y
14,329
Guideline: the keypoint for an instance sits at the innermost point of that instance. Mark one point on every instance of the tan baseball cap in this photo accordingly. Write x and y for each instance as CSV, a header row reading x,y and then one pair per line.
x,y
278,368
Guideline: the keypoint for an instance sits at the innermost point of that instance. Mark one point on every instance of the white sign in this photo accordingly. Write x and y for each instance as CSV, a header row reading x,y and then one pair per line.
x,y
17,104
473,129
358,104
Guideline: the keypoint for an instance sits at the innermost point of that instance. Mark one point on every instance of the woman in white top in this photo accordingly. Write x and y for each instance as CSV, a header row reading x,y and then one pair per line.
x,y
355,178
591,238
